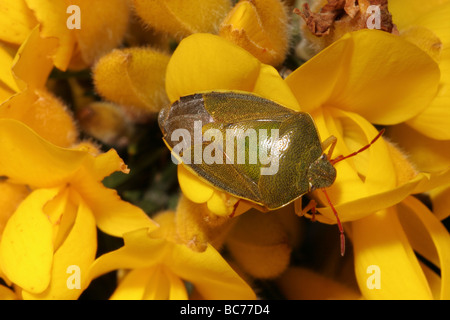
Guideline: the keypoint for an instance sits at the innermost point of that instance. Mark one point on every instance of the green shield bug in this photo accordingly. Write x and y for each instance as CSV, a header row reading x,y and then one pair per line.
x,y
252,148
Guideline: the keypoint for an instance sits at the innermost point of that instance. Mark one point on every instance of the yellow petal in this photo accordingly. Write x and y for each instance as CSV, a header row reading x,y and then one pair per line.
x,y
213,63
370,172
33,62
104,164
209,273
406,12
221,204
158,286
433,280
371,63
133,284
435,20
360,208
384,257
102,27
403,181
10,197
440,198
139,251
28,159
6,75
195,189
113,215
303,284
16,21
153,283
433,121
207,270
55,209
431,239
133,77
5,92
177,289
260,27
72,259
53,19
179,18
425,39
26,249
270,85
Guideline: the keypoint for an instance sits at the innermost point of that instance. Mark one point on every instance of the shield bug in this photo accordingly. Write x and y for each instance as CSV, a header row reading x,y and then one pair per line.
x,y
252,148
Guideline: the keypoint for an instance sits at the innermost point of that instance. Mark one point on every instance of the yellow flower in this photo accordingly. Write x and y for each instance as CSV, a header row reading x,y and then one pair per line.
x,y
158,265
62,198
386,239
83,33
381,85
381,79
332,95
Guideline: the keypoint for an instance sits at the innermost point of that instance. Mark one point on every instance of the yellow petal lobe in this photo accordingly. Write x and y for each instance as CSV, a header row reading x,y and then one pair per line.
x,y
260,27
26,249
72,259
16,21
209,67
385,264
363,79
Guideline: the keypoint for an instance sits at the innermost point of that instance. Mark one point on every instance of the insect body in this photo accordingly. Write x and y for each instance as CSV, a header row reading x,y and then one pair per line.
x,y
228,122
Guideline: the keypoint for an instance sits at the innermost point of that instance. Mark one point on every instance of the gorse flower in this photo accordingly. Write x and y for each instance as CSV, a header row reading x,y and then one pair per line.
x,y
87,186
60,200
160,265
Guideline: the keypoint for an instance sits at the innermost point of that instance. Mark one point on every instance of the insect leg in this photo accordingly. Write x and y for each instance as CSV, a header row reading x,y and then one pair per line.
x,y
311,206
341,229
329,142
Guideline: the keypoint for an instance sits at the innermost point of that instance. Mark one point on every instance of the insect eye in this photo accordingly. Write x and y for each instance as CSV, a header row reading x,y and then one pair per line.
x,y
324,156
311,187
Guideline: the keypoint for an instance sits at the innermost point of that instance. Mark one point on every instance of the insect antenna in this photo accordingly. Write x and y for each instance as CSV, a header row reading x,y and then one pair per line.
x,y
341,229
341,157
333,162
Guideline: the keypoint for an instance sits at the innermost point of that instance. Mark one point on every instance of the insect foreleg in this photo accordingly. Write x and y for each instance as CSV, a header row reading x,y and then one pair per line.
x,y
311,206
329,142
